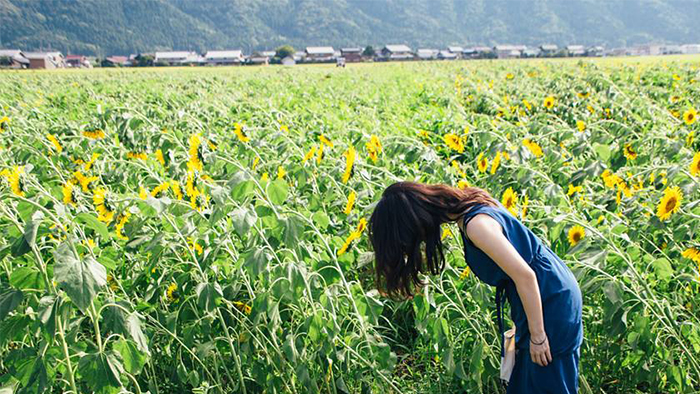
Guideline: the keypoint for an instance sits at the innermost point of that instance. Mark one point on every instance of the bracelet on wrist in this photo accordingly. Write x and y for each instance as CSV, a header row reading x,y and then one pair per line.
x,y
537,344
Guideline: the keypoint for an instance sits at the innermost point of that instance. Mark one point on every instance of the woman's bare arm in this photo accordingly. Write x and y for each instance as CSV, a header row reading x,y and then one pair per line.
x,y
486,233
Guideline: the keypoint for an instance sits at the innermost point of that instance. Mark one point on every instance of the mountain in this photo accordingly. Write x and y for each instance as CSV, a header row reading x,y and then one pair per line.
x,y
104,27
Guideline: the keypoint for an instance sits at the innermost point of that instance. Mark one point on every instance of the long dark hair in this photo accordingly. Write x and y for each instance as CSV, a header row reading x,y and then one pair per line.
x,y
409,215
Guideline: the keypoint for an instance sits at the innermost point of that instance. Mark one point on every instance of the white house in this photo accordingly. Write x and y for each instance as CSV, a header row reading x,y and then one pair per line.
x,y
397,52
576,50
178,58
224,57
508,51
320,54
426,54
447,55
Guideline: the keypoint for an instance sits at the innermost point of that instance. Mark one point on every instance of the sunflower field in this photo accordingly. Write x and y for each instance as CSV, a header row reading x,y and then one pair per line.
x,y
203,230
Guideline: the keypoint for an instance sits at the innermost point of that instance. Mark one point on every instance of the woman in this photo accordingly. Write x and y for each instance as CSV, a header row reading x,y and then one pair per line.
x,y
404,231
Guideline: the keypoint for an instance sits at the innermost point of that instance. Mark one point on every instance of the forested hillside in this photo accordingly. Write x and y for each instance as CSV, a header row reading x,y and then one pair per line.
x,y
126,26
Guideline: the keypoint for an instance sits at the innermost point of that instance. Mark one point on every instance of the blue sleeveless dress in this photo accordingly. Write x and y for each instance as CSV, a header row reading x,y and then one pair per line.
x,y
561,306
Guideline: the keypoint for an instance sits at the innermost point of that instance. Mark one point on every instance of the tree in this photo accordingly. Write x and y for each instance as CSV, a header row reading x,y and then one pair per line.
x,y
369,51
284,51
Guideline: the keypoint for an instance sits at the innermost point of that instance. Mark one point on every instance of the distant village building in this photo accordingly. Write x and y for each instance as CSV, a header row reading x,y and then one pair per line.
x,y
477,52
116,61
691,49
178,58
456,50
259,58
77,61
595,51
288,61
447,55
575,50
508,51
320,54
548,50
530,52
396,52
219,58
299,56
672,50
426,54
14,58
45,60
351,54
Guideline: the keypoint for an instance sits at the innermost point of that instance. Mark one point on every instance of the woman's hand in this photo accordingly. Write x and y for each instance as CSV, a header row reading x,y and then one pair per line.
x,y
540,354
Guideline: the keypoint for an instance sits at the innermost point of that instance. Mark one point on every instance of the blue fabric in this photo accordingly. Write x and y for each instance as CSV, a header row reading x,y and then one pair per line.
x,y
559,376
559,291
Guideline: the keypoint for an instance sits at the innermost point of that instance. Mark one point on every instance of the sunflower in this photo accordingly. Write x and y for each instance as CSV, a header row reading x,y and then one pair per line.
x,y
308,155
199,201
284,128
583,94
527,105
496,162
319,153
670,202
243,307
349,162
281,172
96,134
482,162
87,166
549,102
175,186
695,165
510,76
692,254
238,130
509,200
581,125
119,226
171,293
374,147
462,184
16,180
4,123
524,204
264,176
361,225
103,205
194,245
464,274
325,140
689,138
454,142
158,191
445,233
576,234
54,141
690,116
351,201
68,193
629,152
84,181
574,189
195,153
136,155
160,158
533,147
